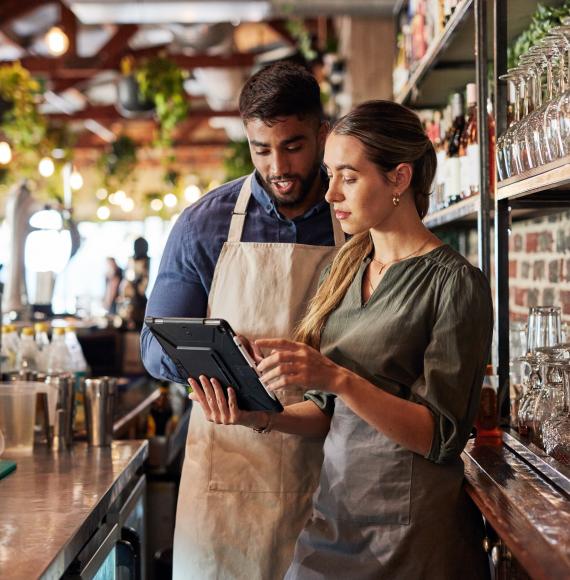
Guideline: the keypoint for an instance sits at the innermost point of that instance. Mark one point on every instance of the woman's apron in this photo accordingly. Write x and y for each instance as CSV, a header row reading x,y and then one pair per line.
x,y
244,497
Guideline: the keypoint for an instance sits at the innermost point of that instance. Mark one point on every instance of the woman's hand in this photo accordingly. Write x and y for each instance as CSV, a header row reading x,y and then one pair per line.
x,y
210,395
297,364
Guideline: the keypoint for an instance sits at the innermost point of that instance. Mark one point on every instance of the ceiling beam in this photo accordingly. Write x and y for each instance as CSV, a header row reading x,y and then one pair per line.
x,y
69,25
108,114
109,56
81,69
12,9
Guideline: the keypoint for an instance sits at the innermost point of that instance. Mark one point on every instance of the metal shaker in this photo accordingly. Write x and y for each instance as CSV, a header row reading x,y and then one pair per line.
x,y
99,408
65,409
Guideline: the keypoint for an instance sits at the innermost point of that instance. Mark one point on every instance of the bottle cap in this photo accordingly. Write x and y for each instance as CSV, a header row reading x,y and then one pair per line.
x,y
489,370
59,330
70,329
28,331
456,105
41,327
471,94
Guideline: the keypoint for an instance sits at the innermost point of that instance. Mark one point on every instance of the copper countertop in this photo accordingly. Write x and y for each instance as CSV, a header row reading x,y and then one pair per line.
x,y
52,504
526,501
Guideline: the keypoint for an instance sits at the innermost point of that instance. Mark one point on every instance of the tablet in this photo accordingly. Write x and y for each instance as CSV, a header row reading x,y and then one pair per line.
x,y
209,346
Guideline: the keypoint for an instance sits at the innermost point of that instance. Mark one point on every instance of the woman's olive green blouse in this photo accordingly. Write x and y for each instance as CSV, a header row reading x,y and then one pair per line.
x,y
424,335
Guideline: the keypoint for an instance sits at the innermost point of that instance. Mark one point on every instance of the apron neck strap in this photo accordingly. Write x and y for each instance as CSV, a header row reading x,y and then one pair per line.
x,y
239,213
339,237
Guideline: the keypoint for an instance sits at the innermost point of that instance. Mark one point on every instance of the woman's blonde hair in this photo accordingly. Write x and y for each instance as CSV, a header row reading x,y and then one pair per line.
x,y
390,134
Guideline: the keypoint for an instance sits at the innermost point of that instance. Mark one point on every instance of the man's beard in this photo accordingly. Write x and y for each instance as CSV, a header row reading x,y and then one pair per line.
x,y
291,200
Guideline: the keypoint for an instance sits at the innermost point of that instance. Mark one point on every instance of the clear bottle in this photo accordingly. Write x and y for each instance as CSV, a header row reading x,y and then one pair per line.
x,y
78,362
59,357
10,348
28,357
43,344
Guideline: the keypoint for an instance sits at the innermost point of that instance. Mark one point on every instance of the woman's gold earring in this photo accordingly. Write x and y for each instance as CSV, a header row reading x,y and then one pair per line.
x,y
396,200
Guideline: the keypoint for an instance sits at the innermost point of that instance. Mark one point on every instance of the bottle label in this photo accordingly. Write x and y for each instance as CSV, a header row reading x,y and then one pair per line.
x,y
473,167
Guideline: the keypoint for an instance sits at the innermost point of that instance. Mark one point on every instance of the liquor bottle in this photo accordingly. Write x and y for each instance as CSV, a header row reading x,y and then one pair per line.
x,y
487,421
453,193
10,348
160,413
469,146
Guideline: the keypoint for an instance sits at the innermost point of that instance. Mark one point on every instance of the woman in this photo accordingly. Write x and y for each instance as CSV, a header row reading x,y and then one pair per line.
x,y
403,325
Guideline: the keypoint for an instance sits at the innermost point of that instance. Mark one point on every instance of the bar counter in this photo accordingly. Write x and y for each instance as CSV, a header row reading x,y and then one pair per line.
x,y
525,497
54,501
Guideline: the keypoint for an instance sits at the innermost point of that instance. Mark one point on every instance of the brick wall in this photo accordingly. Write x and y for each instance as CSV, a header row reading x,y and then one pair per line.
x,y
539,262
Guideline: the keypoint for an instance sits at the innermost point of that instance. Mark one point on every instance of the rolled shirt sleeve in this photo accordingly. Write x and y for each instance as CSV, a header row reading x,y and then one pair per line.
x,y
455,360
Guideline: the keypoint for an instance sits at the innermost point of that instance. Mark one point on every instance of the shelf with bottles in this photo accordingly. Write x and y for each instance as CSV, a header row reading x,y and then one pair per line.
x,y
423,45
552,176
464,210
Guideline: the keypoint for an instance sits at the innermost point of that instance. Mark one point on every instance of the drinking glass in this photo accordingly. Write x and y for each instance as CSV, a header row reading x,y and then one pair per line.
x,y
505,160
556,429
550,399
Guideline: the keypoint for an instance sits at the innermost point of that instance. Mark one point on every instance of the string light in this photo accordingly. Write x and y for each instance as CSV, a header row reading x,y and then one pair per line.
x,y
127,205
5,153
103,212
156,204
192,193
170,200
46,167
57,41
75,180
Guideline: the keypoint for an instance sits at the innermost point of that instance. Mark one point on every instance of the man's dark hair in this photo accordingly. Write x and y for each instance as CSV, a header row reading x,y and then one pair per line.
x,y
280,90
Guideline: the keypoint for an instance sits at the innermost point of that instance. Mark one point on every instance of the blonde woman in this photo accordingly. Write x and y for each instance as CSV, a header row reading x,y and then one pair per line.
x,y
392,352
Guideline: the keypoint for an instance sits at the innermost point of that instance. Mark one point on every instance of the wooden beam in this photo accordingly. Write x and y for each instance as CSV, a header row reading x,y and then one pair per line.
x,y
69,25
12,9
280,26
108,114
108,57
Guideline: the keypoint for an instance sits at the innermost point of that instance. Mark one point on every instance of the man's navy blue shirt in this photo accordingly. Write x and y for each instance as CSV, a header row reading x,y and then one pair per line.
x,y
194,245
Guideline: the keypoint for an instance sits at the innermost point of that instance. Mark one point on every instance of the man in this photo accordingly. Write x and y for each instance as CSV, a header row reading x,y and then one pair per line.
x,y
251,252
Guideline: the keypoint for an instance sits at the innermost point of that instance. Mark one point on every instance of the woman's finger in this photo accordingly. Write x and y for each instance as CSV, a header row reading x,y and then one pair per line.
x,y
277,358
221,401
233,406
209,396
198,393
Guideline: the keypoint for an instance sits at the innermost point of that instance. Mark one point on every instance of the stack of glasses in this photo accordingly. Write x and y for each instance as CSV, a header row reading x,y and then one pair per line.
x,y
544,408
539,132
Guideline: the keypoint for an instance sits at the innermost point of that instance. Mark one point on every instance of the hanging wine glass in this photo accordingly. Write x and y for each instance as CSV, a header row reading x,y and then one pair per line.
x,y
505,159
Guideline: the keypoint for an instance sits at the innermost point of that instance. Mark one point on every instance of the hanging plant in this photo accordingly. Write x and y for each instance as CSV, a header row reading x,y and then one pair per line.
x,y
161,81
119,161
20,120
237,160
543,20
299,31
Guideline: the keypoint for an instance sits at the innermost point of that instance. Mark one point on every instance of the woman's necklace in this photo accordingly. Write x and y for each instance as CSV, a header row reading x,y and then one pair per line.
x,y
384,265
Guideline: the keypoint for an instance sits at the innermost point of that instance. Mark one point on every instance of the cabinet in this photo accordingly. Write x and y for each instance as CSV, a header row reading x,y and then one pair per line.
x,y
516,487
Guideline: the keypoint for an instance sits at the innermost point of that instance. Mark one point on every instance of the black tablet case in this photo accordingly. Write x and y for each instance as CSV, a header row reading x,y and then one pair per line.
x,y
200,346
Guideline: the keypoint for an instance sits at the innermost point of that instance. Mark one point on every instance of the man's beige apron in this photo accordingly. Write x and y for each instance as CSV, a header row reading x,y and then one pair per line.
x,y
244,496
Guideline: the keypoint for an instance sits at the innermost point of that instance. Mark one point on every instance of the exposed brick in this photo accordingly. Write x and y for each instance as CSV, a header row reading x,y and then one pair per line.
x,y
553,271
531,242
538,270
521,296
532,297
565,301
525,270
548,297
512,268
545,241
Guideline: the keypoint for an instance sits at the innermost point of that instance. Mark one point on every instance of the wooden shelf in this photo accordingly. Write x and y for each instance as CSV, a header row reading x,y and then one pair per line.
x,y
410,93
465,210
555,175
